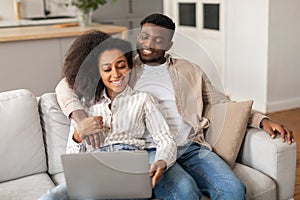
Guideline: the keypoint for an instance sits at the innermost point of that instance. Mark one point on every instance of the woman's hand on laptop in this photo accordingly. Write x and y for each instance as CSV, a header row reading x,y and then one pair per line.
x,y
156,171
91,129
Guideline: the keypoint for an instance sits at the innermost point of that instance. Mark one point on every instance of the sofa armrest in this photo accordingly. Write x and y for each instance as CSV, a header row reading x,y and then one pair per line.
x,y
271,157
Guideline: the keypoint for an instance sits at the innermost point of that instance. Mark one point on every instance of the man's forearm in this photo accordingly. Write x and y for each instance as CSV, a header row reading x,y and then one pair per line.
x,y
67,99
78,115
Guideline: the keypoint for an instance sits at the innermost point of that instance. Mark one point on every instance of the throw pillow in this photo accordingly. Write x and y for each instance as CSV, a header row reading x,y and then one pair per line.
x,y
228,124
56,128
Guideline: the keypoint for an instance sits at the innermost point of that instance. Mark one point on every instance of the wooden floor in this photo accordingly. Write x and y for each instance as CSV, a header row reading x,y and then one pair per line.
x,y
291,120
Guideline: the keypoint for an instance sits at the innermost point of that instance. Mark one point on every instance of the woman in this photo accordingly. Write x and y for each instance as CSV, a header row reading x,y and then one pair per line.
x,y
101,85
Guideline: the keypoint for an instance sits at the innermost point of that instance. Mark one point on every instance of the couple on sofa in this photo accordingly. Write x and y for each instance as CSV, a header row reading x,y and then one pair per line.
x,y
197,170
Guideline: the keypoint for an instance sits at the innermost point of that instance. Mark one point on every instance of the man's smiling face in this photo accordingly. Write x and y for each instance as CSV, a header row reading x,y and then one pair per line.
x,y
152,43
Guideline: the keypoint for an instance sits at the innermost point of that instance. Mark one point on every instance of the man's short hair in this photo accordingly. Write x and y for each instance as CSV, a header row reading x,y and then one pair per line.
x,y
160,20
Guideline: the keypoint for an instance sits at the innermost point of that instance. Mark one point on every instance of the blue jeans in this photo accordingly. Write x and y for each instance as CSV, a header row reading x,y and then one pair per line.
x,y
212,175
198,171
175,183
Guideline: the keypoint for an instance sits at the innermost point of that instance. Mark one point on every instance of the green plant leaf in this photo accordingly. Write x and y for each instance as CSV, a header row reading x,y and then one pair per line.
x,y
87,5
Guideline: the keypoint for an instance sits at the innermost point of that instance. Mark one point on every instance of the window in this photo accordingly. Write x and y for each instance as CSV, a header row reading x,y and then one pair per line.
x,y
211,16
202,17
187,14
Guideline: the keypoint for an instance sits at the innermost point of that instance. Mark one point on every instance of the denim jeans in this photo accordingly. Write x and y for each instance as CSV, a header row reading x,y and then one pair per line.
x,y
198,171
175,184
212,175
117,147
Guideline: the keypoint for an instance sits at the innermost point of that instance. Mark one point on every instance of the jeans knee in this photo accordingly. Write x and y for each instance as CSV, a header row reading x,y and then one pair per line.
x,y
235,191
239,189
184,189
188,188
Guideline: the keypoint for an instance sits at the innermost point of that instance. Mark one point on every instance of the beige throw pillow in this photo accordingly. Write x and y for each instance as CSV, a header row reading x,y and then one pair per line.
x,y
228,124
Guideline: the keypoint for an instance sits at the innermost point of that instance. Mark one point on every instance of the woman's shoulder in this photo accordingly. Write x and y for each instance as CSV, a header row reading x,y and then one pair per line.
x,y
140,93
146,96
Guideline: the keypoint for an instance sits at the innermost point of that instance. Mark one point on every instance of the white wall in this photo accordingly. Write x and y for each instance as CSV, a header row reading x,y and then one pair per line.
x,y
284,55
246,51
262,53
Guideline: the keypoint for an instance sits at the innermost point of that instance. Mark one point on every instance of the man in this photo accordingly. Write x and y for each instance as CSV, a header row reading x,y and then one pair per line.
x,y
184,91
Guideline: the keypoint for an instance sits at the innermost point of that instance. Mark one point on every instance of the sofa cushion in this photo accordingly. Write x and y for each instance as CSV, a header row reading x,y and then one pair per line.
x,y
272,157
58,178
26,188
22,150
56,127
259,186
228,123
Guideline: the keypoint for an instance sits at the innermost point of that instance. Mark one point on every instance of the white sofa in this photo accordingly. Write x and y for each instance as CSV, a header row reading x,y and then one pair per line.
x,y
34,131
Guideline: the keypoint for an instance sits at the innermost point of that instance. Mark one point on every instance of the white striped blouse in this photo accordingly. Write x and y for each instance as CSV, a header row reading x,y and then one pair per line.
x,y
130,114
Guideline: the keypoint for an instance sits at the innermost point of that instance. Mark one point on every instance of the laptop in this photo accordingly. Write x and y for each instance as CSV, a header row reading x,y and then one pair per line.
x,y
107,175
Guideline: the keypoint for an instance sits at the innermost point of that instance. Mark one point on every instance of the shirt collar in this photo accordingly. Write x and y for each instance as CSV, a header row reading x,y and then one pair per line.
x,y
127,91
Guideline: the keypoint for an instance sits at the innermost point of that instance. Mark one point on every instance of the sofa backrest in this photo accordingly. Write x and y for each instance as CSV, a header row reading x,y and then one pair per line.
x,y
56,128
22,149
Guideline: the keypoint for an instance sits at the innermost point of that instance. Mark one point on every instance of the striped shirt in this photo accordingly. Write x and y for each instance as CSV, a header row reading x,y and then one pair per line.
x,y
130,114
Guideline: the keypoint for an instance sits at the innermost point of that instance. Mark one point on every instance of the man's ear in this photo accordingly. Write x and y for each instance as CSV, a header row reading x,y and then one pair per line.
x,y
170,44
138,35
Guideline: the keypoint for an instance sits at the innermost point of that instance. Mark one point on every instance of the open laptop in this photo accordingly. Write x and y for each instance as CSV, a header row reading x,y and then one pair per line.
x,y
107,175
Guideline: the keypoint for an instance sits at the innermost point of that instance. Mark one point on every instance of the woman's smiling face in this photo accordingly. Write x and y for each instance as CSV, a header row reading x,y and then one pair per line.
x,y
114,71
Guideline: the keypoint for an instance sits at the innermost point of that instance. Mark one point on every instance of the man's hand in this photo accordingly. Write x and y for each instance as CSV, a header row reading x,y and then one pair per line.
x,y
156,171
91,129
272,128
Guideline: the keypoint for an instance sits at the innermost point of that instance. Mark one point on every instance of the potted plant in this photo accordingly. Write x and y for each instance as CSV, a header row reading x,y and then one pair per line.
x,y
85,9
